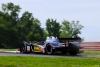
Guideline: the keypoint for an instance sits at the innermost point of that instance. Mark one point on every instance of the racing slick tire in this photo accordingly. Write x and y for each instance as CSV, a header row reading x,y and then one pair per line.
x,y
63,52
49,49
73,51
23,48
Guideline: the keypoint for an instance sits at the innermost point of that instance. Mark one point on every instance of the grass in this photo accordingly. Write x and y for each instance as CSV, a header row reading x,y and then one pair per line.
x,y
31,61
92,52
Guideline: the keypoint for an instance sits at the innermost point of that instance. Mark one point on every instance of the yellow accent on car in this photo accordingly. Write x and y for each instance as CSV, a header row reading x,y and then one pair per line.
x,y
36,48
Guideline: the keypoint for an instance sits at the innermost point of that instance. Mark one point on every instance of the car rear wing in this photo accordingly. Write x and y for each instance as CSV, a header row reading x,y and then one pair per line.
x,y
69,39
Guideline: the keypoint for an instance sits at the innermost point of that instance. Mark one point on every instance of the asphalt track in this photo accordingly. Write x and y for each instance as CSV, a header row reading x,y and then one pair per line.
x,y
15,53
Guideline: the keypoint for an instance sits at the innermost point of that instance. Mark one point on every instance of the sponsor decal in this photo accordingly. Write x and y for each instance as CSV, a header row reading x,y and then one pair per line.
x,y
36,48
28,47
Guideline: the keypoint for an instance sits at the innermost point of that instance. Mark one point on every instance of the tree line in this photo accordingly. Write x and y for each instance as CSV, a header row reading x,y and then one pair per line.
x,y
15,29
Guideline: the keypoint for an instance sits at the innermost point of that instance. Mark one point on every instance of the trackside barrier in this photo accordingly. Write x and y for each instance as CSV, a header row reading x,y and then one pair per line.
x,y
91,46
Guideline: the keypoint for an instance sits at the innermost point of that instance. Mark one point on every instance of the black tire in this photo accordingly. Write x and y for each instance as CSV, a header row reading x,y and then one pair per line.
x,y
49,49
73,51
63,52
23,48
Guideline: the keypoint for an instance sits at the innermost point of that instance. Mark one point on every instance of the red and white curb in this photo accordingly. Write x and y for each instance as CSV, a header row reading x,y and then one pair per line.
x,y
3,51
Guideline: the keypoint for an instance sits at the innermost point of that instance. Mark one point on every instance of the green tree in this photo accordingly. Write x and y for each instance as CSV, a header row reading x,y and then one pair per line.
x,y
14,29
45,33
3,31
70,29
9,14
25,25
53,27
37,33
13,11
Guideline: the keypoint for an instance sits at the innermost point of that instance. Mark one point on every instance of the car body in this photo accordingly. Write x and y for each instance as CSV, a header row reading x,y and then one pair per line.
x,y
51,47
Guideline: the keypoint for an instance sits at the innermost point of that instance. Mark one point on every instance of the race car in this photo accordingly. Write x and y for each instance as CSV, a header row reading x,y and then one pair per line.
x,y
52,46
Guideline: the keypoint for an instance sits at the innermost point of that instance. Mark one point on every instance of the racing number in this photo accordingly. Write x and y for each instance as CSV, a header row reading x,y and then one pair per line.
x,y
36,48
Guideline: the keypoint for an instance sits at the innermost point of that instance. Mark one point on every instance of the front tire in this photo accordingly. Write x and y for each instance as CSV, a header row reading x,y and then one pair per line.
x,y
23,48
49,49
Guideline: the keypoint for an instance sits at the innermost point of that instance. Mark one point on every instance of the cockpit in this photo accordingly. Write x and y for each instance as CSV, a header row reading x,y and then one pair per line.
x,y
51,39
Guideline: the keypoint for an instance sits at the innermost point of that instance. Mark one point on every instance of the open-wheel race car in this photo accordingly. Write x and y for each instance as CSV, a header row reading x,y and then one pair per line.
x,y
53,45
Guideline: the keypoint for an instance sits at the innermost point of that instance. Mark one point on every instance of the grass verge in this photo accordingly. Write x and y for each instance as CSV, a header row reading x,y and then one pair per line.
x,y
31,61
92,52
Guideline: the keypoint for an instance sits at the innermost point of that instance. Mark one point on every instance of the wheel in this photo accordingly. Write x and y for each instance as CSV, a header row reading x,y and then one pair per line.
x,y
73,51
23,48
63,52
49,49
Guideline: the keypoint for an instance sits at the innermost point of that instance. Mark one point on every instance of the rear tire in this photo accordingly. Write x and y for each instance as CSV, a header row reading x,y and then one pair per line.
x,y
73,51
63,52
49,49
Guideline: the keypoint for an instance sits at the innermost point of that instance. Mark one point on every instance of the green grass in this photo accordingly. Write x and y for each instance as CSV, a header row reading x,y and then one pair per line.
x,y
92,52
31,61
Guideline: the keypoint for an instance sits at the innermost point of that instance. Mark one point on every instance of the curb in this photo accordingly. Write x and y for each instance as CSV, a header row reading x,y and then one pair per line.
x,y
3,51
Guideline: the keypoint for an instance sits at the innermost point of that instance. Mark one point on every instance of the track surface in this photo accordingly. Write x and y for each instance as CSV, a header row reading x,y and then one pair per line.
x,y
14,53
33,54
